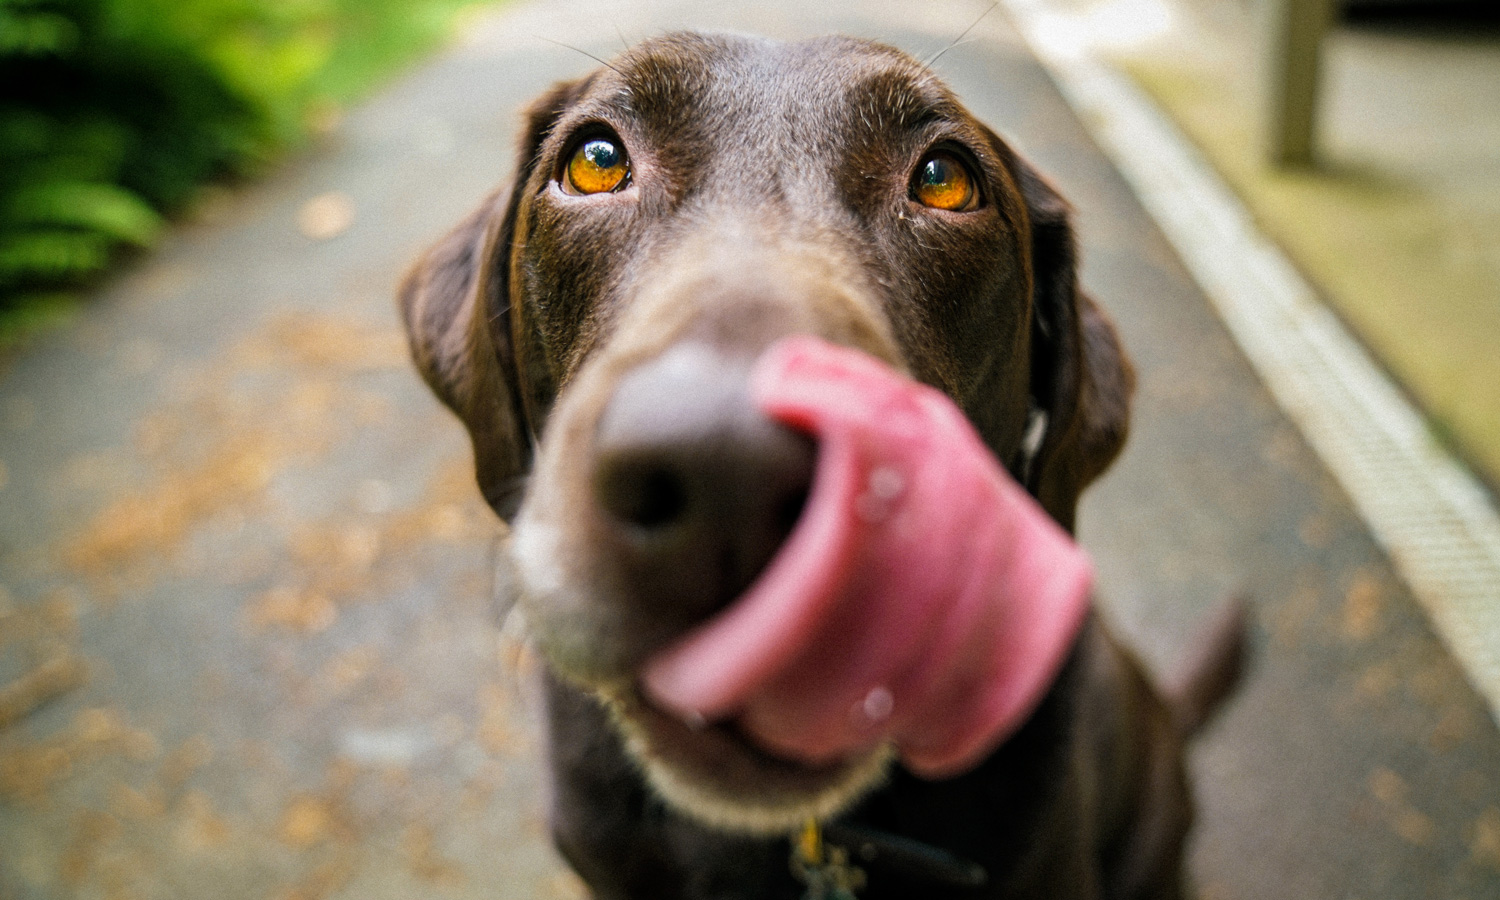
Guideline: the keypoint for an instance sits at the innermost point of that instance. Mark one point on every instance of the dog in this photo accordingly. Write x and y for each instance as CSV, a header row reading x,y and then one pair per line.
x,y
672,215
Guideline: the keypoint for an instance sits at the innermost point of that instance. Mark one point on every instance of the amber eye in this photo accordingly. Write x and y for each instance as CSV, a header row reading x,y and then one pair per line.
x,y
942,181
597,165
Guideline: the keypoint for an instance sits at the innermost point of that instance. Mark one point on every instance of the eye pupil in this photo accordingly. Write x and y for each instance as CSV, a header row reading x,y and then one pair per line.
x,y
602,154
937,173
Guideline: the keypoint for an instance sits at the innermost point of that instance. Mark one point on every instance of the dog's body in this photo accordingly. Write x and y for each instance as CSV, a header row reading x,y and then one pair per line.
x,y
673,215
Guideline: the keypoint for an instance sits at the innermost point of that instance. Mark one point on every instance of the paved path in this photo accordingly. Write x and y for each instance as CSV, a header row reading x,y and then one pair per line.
x,y
231,511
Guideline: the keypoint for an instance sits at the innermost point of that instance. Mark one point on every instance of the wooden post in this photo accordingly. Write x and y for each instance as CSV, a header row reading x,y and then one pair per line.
x,y
1292,40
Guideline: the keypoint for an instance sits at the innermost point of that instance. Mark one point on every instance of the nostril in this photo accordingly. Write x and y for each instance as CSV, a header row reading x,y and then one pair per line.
x,y
788,509
694,490
641,492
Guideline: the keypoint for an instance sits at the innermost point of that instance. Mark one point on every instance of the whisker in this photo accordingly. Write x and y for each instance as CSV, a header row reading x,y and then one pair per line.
x,y
963,34
602,62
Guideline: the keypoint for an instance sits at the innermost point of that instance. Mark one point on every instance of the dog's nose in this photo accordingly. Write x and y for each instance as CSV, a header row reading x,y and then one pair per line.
x,y
697,489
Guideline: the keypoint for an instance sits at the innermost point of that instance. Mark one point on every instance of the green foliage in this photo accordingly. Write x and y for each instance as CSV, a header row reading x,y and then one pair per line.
x,y
112,112
103,126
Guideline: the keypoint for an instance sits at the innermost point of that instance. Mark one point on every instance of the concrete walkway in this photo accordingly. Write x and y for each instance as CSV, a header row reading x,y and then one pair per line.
x,y
234,521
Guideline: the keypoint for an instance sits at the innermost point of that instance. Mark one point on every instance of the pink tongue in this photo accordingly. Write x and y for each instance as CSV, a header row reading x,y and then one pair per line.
x,y
923,597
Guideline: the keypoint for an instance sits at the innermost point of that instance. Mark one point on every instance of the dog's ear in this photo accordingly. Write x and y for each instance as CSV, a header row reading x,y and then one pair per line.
x,y
1081,379
455,301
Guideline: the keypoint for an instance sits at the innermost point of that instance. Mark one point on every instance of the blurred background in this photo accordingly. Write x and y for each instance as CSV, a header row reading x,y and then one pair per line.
x,y
1362,137
117,113
248,644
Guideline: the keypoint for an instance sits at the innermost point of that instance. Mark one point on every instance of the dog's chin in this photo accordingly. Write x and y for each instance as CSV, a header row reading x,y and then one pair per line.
x,y
711,773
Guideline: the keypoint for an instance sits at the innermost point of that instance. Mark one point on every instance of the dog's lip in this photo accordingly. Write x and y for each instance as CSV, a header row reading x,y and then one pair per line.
x,y
721,733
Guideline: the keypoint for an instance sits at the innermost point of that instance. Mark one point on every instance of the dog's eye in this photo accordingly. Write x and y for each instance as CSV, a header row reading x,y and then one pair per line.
x,y
942,181
597,165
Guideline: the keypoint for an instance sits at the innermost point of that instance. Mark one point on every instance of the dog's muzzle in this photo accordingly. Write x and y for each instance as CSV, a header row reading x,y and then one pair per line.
x,y
694,488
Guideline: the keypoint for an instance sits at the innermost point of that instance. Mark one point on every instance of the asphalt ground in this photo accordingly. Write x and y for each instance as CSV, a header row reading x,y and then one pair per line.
x,y
242,541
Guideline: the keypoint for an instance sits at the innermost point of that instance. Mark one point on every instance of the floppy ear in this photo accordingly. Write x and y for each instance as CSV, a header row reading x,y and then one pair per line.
x,y
456,303
1081,379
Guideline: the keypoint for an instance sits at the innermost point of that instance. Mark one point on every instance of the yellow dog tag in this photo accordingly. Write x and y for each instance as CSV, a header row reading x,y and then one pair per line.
x,y
825,870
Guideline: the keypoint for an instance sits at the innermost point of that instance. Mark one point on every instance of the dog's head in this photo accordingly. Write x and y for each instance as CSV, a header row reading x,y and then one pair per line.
x,y
672,215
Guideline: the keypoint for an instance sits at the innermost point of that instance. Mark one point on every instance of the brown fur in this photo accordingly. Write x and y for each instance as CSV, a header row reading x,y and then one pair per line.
x,y
770,197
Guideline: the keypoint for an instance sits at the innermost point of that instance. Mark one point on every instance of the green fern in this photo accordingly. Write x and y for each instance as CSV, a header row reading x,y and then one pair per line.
x,y
104,125
30,33
107,209
113,112
40,256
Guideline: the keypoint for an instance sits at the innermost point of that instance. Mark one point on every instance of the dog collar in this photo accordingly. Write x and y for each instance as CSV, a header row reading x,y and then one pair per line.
x,y
823,860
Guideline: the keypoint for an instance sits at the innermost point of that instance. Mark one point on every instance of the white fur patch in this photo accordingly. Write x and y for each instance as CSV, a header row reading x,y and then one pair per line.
x,y
536,549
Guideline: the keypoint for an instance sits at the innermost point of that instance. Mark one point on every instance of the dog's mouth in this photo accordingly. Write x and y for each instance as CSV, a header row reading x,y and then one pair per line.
x,y
888,588
715,772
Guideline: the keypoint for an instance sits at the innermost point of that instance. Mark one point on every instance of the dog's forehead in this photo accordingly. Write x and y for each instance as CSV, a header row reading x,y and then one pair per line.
x,y
680,77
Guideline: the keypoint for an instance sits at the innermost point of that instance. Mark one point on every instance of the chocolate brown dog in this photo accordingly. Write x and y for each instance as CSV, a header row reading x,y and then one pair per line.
x,y
673,214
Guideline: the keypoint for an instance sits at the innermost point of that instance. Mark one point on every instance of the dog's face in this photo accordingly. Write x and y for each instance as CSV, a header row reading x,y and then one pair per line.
x,y
673,214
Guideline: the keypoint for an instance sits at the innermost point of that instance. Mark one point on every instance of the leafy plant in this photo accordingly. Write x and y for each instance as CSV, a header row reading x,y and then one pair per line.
x,y
112,112
101,130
